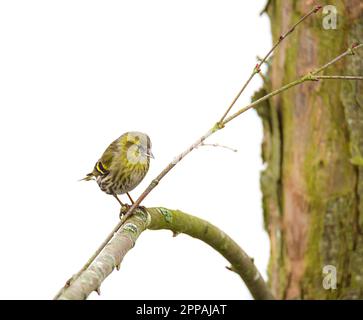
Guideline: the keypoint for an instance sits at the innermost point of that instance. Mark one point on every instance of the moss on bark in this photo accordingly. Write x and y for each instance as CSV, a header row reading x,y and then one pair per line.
x,y
313,146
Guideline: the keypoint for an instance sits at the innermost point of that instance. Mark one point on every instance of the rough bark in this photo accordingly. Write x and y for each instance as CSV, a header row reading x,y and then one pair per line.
x,y
313,148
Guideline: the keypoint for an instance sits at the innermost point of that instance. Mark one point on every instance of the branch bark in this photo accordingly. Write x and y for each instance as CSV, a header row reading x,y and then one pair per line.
x,y
79,287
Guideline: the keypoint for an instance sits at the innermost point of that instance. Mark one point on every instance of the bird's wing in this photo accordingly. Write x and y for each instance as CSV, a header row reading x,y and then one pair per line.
x,y
104,163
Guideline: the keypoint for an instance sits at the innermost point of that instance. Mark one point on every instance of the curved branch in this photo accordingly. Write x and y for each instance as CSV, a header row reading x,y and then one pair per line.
x,y
155,219
241,263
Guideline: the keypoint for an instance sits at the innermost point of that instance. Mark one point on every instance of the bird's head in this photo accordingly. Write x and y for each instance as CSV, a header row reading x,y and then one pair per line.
x,y
138,146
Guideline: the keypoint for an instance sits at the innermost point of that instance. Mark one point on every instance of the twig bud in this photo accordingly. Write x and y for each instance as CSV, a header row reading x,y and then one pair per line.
x,y
355,44
317,8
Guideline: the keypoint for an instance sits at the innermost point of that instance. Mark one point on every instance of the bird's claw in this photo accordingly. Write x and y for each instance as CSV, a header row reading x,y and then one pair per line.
x,y
124,210
126,207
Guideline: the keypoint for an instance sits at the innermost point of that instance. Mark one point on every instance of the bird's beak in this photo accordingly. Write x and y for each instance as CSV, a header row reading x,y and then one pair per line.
x,y
150,155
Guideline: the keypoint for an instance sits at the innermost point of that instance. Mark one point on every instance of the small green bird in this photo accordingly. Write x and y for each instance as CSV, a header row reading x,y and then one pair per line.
x,y
123,165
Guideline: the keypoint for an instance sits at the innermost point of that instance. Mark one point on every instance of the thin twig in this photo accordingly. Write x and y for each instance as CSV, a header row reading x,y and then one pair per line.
x,y
217,145
257,68
312,76
350,51
338,78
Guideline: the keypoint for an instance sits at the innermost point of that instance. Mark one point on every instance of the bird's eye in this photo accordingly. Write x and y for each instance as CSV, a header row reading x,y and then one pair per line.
x,y
129,144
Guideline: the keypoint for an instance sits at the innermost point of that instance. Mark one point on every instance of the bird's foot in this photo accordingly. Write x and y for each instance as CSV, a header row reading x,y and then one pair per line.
x,y
123,210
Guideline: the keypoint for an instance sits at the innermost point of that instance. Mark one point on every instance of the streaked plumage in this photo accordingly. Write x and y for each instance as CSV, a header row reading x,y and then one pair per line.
x,y
123,165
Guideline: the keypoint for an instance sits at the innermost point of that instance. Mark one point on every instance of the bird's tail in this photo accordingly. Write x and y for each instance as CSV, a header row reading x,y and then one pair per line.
x,y
88,177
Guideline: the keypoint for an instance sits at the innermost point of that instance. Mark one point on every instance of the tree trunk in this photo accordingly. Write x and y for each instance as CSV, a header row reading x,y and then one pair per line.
x,y
313,149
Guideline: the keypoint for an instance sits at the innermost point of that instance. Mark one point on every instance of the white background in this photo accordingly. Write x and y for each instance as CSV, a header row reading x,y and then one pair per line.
x,y
75,75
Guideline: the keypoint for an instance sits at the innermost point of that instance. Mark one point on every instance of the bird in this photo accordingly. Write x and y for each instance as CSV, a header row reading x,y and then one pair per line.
x,y
123,165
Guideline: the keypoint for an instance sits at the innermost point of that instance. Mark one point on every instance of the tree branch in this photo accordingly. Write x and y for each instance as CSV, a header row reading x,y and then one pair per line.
x,y
257,68
217,145
178,222
338,78
312,76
